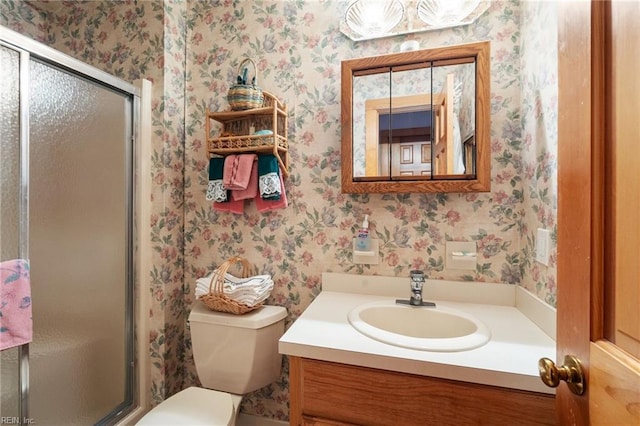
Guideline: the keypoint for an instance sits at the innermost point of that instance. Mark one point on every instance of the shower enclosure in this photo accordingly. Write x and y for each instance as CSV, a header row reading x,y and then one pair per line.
x,y
66,202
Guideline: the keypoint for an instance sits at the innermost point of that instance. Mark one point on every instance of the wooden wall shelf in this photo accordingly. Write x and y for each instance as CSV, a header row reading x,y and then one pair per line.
x,y
235,133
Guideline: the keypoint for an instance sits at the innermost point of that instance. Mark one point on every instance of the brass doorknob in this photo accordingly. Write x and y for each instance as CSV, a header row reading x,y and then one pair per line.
x,y
570,372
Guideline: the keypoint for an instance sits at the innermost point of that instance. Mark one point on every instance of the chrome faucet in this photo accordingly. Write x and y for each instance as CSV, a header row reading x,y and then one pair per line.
x,y
417,282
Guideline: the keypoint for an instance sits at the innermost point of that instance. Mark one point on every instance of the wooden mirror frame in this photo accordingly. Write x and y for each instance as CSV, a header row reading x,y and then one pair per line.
x,y
482,180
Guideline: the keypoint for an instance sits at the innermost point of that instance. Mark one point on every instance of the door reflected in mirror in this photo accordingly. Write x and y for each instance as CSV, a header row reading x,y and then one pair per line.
x,y
417,121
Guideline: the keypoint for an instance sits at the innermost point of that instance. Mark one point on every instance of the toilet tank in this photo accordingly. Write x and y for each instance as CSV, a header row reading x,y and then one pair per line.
x,y
236,353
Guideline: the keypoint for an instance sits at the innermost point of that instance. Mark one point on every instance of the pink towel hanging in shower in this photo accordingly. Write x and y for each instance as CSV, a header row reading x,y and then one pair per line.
x,y
16,325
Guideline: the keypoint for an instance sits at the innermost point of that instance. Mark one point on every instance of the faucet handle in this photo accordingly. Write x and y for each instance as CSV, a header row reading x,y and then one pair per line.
x,y
416,275
417,279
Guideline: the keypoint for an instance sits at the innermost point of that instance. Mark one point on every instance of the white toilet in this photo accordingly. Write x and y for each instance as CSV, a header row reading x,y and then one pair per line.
x,y
234,355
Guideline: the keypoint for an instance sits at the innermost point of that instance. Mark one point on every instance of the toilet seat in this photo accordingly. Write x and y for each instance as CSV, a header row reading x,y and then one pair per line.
x,y
192,407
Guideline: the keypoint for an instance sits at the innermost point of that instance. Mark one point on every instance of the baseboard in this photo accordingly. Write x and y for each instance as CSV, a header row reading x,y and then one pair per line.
x,y
248,420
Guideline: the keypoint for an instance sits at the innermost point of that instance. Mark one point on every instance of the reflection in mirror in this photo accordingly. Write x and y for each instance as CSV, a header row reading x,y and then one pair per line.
x,y
408,130
365,118
416,120
424,126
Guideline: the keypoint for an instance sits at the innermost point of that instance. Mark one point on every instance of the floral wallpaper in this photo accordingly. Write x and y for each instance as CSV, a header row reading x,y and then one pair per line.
x,y
539,121
191,50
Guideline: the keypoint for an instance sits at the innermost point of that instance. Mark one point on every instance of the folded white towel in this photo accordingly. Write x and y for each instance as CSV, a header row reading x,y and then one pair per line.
x,y
247,299
250,291
232,281
203,286
246,282
237,281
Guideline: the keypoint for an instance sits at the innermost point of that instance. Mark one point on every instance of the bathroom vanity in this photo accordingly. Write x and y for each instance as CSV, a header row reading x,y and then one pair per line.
x,y
327,393
339,376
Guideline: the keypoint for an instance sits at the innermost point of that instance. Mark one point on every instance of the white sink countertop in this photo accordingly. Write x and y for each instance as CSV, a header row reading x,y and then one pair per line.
x,y
509,359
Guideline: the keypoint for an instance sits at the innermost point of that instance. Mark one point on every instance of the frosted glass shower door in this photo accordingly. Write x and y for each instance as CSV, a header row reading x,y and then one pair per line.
x,y
80,248
9,208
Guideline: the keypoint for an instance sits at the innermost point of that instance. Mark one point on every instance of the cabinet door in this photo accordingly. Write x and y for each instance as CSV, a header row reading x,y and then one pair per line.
x,y
350,395
317,421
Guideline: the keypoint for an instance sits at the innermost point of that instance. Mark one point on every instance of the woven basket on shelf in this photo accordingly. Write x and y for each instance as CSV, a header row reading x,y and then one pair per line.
x,y
246,96
216,300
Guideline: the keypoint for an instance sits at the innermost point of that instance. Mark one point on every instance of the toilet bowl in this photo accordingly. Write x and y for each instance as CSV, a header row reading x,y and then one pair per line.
x,y
234,355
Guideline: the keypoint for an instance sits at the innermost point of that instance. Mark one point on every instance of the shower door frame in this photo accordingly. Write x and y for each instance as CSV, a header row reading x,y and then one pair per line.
x,y
29,49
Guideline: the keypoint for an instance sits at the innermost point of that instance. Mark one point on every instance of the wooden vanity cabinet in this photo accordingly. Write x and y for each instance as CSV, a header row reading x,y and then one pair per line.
x,y
329,394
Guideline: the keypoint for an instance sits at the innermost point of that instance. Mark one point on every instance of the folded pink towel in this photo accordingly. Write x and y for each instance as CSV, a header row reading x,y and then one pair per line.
x,y
237,171
252,186
16,325
233,206
266,205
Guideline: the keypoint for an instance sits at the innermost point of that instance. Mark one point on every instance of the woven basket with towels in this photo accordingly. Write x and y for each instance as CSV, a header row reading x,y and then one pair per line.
x,y
224,292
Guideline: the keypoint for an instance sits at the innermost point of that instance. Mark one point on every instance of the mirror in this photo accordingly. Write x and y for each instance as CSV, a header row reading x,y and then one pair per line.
x,y
417,121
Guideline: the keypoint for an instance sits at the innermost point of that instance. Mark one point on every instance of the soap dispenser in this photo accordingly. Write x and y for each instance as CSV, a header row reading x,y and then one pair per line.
x,y
363,242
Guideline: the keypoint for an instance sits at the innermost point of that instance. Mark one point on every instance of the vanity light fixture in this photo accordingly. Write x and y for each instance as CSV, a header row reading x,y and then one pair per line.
x,y
374,17
371,19
442,13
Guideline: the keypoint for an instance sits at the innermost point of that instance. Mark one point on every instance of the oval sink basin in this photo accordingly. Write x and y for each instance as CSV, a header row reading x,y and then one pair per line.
x,y
439,329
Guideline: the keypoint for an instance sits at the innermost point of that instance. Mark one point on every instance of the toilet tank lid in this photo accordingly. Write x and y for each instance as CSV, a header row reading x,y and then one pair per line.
x,y
259,318
190,407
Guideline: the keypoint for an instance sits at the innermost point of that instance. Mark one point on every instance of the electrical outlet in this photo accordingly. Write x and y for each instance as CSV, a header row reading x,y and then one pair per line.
x,y
543,246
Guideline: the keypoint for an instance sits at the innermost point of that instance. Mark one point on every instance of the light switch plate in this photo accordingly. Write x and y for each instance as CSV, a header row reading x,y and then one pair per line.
x,y
543,246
